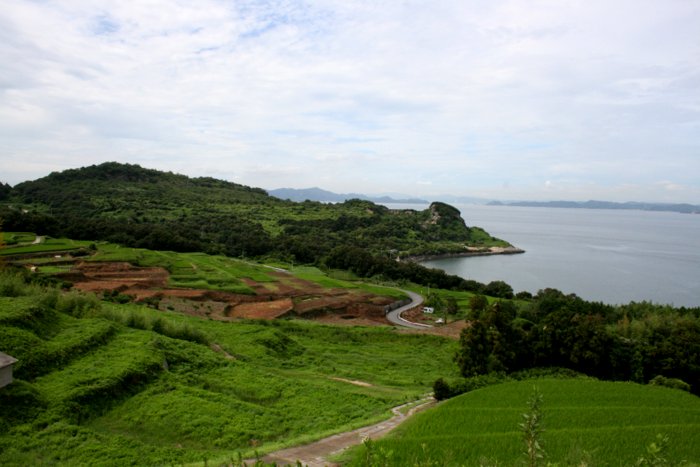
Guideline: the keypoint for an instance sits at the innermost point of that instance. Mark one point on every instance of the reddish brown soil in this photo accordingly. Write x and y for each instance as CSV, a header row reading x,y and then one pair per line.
x,y
263,310
286,296
451,330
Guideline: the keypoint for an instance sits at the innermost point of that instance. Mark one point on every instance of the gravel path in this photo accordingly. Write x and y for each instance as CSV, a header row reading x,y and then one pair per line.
x,y
315,454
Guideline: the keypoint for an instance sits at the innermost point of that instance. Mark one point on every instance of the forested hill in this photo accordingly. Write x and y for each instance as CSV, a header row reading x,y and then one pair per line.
x,y
141,207
113,188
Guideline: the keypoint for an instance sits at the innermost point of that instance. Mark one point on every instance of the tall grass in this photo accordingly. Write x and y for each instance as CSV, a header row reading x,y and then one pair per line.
x,y
125,384
138,317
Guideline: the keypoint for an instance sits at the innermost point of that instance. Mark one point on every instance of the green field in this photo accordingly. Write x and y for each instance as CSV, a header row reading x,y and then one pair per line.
x,y
14,238
101,383
57,245
601,423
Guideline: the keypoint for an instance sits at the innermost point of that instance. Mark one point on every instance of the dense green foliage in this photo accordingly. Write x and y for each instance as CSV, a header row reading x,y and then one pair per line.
x,y
634,342
5,191
582,422
145,208
100,383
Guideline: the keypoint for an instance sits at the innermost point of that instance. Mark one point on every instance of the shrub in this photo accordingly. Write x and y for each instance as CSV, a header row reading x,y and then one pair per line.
x,y
77,304
12,285
674,383
441,390
445,390
20,401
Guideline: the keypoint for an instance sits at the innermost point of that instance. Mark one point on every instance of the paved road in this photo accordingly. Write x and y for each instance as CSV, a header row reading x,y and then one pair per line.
x,y
395,316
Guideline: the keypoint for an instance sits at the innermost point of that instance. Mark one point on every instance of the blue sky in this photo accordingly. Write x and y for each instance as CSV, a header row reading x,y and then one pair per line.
x,y
523,99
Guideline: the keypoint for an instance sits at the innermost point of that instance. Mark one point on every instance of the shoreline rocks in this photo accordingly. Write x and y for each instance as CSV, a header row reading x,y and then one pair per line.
x,y
470,251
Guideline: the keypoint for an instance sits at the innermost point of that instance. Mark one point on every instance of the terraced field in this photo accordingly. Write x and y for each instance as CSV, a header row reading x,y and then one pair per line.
x,y
601,423
208,286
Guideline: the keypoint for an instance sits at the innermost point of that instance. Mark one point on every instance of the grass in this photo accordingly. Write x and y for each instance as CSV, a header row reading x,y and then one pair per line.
x,y
603,423
13,238
125,384
347,281
48,245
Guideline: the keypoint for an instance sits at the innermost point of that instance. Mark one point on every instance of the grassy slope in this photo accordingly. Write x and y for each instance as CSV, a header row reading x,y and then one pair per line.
x,y
123,395
604,422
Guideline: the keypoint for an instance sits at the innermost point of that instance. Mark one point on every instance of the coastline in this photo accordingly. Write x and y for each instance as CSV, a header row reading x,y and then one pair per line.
x,y
471,251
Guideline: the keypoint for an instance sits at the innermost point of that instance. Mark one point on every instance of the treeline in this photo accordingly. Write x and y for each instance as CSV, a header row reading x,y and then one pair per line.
x,y
634,342
248,239
143,208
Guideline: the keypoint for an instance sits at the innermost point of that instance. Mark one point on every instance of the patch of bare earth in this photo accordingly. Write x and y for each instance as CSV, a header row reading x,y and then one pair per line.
x,y
354,382
263,310
451,330
287,296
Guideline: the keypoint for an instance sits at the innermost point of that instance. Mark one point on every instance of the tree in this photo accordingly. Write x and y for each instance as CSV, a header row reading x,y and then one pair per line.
x,y
4,191
435,300
474,350
499,289
2,243
477,303
451,307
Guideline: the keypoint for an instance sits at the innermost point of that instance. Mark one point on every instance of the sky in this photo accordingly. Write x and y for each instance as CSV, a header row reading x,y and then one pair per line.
x,y
501,99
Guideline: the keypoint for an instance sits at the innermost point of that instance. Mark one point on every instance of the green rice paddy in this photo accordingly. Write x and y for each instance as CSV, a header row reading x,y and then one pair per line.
x,y
584,420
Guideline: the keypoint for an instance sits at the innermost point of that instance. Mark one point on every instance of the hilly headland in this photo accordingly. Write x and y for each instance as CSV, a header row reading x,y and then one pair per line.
x,y
160,319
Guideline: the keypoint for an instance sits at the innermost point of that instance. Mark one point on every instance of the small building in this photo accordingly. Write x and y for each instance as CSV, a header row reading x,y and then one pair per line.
x,y
6,362
428,309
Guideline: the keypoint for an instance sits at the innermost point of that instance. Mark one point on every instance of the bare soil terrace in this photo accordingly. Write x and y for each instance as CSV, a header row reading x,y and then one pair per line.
x,y
287,296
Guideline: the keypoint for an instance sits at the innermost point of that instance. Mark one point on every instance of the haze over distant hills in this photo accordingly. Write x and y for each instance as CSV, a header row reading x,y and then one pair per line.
x,y
677,207
319,194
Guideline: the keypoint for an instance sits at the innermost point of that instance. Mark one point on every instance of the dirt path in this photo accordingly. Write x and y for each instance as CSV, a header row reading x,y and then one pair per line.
x,y
315,454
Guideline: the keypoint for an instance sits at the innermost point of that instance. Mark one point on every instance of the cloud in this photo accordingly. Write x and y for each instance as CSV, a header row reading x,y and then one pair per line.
x,y
465,94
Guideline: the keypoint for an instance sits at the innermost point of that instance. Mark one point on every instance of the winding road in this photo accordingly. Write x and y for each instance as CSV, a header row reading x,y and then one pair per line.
x,y
395,316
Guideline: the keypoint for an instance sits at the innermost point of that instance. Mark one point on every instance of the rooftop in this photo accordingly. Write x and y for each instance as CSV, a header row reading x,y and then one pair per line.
x,y
6,360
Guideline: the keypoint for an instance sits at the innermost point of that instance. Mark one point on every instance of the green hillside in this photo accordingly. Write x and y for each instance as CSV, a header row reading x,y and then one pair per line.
x,y
99,383
583,420
140,207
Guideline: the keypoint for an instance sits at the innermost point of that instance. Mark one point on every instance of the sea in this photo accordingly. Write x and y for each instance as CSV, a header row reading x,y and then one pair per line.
x,y
611,256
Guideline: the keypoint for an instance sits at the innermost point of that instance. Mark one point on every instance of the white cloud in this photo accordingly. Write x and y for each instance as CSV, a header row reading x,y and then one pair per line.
x,y
376,97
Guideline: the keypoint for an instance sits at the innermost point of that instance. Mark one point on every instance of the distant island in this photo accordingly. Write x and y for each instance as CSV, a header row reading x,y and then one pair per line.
x,y
679,207
324,196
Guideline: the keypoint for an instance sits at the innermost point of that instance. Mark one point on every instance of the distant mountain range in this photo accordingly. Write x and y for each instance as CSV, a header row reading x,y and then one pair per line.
x,y
679,207
318,194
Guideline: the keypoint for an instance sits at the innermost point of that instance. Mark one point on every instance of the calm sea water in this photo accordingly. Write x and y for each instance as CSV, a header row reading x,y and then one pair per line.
x,y
603,255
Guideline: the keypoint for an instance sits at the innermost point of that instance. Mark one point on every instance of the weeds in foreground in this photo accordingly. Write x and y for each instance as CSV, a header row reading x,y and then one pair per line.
x,y
532,430
655,453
